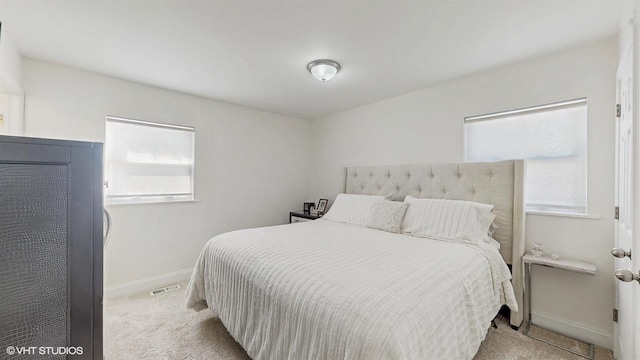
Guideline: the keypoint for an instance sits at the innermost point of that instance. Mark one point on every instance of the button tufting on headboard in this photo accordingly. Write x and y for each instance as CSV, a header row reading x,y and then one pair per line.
x,y
464,181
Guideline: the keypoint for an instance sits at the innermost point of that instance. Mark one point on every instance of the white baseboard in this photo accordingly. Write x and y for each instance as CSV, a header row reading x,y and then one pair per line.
x,y
574,330
147,284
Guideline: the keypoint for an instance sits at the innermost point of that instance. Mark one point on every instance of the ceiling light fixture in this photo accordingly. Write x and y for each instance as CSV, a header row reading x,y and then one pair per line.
x,y
324,69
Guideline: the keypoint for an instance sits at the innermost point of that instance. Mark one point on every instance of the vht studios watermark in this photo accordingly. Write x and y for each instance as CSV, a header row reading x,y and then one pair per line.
x,y
44,350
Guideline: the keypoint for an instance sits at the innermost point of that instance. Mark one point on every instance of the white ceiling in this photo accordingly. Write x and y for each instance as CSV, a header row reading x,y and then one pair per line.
x,y
254,52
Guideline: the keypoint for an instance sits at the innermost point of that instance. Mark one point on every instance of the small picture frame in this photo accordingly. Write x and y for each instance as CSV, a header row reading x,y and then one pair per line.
x,y
322,206
307,207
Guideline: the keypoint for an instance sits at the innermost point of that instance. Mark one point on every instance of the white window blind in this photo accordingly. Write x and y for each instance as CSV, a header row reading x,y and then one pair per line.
x,y
148,162
553,140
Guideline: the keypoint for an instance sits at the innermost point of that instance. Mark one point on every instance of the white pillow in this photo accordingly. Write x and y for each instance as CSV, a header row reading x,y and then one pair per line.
x,y
351,208
493,228
387,215
491,241
447,219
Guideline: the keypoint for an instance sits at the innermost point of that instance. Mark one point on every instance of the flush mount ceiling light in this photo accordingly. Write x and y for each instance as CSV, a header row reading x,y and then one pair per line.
x,y
323,69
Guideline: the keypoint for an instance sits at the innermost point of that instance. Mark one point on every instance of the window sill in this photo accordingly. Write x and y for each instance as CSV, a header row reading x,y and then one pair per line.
x,y
559,214
157,202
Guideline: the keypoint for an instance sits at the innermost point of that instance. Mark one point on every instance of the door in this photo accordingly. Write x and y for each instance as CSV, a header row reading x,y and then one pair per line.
x,y
627,293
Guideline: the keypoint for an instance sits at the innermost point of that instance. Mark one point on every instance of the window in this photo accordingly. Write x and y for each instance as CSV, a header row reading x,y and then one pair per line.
x,y
148,162
553,140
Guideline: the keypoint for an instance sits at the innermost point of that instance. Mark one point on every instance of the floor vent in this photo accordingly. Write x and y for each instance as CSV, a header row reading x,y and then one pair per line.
x,y
164,290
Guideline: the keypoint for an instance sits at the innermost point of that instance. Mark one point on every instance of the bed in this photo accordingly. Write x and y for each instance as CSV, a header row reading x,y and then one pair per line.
x,y
332,289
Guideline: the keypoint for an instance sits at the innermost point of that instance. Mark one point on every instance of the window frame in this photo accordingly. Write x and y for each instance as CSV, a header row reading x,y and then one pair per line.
x,y
542,209
152,198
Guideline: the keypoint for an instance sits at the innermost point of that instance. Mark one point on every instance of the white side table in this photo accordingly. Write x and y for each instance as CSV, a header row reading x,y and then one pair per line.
x,y
563,264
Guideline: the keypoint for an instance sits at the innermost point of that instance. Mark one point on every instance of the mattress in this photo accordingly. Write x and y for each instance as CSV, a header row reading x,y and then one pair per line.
x,y
325,290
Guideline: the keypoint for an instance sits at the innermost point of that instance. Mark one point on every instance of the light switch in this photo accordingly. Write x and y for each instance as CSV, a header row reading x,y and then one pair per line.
x,y
1,119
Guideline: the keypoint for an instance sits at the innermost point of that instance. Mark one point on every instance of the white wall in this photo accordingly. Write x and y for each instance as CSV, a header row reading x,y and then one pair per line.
x,y
10,65
427,126
251,166
11,94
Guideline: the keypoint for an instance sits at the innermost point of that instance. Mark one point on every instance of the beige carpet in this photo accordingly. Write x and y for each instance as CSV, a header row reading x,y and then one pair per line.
x,y
160,327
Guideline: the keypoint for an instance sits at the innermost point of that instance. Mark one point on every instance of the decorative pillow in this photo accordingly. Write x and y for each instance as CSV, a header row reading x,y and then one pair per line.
x,y
387,215
447,219
352,208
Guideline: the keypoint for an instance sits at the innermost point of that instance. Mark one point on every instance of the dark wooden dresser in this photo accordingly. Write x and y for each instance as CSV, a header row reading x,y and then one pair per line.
x,y
50,249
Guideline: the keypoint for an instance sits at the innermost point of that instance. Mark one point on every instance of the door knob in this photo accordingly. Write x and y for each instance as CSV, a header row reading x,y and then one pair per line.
x,y
620,253
627,276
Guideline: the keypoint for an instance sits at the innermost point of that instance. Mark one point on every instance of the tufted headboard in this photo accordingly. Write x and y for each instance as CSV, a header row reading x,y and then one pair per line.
x,y
499,183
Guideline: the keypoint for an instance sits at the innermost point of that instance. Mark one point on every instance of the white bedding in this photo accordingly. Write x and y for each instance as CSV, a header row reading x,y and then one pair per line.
x,y
324,290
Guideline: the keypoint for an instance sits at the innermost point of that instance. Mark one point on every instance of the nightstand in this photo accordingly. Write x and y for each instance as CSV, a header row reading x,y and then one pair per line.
x,y
300,216
562,264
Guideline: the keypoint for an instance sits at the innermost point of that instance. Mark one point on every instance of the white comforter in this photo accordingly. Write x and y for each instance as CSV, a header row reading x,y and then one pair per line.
x,y
324,290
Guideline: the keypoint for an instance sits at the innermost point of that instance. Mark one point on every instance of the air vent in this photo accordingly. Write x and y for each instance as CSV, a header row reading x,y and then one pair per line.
x,y
164,290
